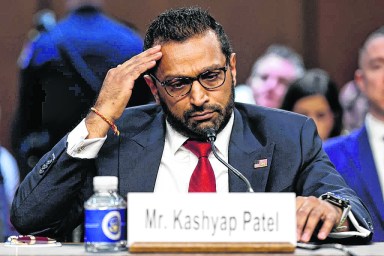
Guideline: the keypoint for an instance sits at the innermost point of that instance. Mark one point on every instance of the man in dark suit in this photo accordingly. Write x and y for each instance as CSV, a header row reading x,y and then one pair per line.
x,y
191,70
359,156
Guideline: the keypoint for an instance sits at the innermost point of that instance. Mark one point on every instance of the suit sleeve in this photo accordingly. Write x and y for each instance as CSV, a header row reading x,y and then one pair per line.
x,y
50,200
318,176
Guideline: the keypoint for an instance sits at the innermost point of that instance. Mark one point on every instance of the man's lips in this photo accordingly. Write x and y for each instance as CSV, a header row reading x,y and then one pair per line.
x,y
202,115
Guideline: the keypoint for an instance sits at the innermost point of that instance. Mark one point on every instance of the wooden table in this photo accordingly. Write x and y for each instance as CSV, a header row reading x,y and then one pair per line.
x,y
375,249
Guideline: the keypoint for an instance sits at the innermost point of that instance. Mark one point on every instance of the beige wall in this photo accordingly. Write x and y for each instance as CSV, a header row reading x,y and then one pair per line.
x,y
327,32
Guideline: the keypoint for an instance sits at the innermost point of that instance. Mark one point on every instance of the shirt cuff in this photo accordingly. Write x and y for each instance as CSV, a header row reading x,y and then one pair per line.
x,y
80,147
360,231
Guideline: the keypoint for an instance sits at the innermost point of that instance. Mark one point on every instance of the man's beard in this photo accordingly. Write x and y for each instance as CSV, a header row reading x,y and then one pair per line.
x,y
194,129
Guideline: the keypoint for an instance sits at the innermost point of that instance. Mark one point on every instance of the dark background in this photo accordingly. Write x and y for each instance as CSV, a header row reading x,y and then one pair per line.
x,y
327,33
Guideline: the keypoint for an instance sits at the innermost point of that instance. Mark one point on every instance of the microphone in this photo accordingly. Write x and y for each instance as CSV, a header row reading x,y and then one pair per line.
x,y
210,133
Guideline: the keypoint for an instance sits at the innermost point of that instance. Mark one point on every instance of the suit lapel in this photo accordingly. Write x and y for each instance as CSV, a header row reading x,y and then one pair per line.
x,y
244,152
368,173
140,157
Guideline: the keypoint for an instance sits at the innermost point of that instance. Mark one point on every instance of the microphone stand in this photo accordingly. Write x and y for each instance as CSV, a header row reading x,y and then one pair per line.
x,y
211,136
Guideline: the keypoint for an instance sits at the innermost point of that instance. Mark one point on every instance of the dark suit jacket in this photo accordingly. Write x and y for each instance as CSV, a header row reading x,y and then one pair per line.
x,y
50,200
352,157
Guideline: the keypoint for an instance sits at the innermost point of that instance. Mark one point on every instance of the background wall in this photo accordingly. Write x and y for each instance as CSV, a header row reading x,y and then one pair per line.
x,y
327,33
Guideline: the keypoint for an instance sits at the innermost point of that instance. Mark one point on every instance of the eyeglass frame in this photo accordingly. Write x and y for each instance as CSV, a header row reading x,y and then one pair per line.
x,y
192,79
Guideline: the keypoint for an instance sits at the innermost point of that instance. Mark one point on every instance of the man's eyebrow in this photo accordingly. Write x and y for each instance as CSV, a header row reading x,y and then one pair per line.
x,y
209,68
376,60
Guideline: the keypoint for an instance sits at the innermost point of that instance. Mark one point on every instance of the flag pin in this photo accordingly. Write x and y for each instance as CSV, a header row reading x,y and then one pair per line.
x,y
260,163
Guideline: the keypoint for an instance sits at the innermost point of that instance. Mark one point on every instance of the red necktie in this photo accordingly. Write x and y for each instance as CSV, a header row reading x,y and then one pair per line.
x,y
203,178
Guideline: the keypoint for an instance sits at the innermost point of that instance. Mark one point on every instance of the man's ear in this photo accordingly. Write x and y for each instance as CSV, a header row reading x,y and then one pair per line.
x,y
360,80
232,67
153,87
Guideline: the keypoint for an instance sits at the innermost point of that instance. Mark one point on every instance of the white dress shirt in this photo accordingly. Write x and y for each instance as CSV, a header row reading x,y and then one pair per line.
x,y
178,163
375,131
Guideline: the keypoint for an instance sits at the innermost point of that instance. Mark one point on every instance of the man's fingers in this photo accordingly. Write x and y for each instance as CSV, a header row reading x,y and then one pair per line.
x,y
304,207
299,221
328,224
315,215
119,82
299,201
125,74
331,219
151,54
134,71
139,64
310,211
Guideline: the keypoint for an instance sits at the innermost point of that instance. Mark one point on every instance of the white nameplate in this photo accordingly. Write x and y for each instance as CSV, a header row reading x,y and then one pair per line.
x,y
211,217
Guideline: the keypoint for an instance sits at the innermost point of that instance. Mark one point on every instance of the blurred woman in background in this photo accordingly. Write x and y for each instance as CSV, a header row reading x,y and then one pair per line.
x,y
316,95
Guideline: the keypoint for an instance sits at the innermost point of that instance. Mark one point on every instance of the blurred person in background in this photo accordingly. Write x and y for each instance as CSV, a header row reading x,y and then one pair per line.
x,y
271,76
9,181
316,95
4,211
359,156
62,75
355,106
43,21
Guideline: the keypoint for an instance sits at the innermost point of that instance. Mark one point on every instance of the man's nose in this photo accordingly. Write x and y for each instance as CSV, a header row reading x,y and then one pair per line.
x,y
271,83
198,95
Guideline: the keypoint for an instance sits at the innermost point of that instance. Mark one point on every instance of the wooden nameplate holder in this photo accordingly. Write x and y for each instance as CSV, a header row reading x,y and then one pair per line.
x,y
211,247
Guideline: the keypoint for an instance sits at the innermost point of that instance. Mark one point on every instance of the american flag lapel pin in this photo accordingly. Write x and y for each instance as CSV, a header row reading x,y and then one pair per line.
x,y
260,163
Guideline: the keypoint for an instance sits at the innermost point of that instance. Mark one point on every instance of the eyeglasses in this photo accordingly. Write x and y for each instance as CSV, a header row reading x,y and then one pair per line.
x,y
181,86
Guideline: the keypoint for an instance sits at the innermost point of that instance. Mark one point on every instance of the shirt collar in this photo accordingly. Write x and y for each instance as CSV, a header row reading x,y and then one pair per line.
x,y
375,127
175,140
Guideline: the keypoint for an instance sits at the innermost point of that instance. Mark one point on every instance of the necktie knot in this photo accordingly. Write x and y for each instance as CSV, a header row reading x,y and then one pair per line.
x,y
199,148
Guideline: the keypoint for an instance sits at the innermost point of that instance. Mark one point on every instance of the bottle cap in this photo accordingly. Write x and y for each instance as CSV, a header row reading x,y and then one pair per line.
x,y
105,183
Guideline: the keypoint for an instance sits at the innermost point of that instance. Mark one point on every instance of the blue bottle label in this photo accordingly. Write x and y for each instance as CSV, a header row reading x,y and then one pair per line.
x,y
105,225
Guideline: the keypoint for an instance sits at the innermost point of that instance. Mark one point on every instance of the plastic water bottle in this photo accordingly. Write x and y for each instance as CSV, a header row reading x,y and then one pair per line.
x,y
105,217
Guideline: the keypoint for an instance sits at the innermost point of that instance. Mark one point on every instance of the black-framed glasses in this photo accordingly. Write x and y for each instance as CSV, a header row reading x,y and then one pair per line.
x,y
181,86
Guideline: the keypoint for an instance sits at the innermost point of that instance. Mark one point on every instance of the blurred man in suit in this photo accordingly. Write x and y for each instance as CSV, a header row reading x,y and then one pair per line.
x,y
190,68
359,157
271,76
355,106
62,74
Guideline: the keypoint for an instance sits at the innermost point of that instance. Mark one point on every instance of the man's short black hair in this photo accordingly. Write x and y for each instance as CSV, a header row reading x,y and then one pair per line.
x,y
181,24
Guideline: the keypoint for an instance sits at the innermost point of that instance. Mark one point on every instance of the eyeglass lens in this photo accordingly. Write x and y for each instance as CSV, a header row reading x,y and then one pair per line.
x,y
209,80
